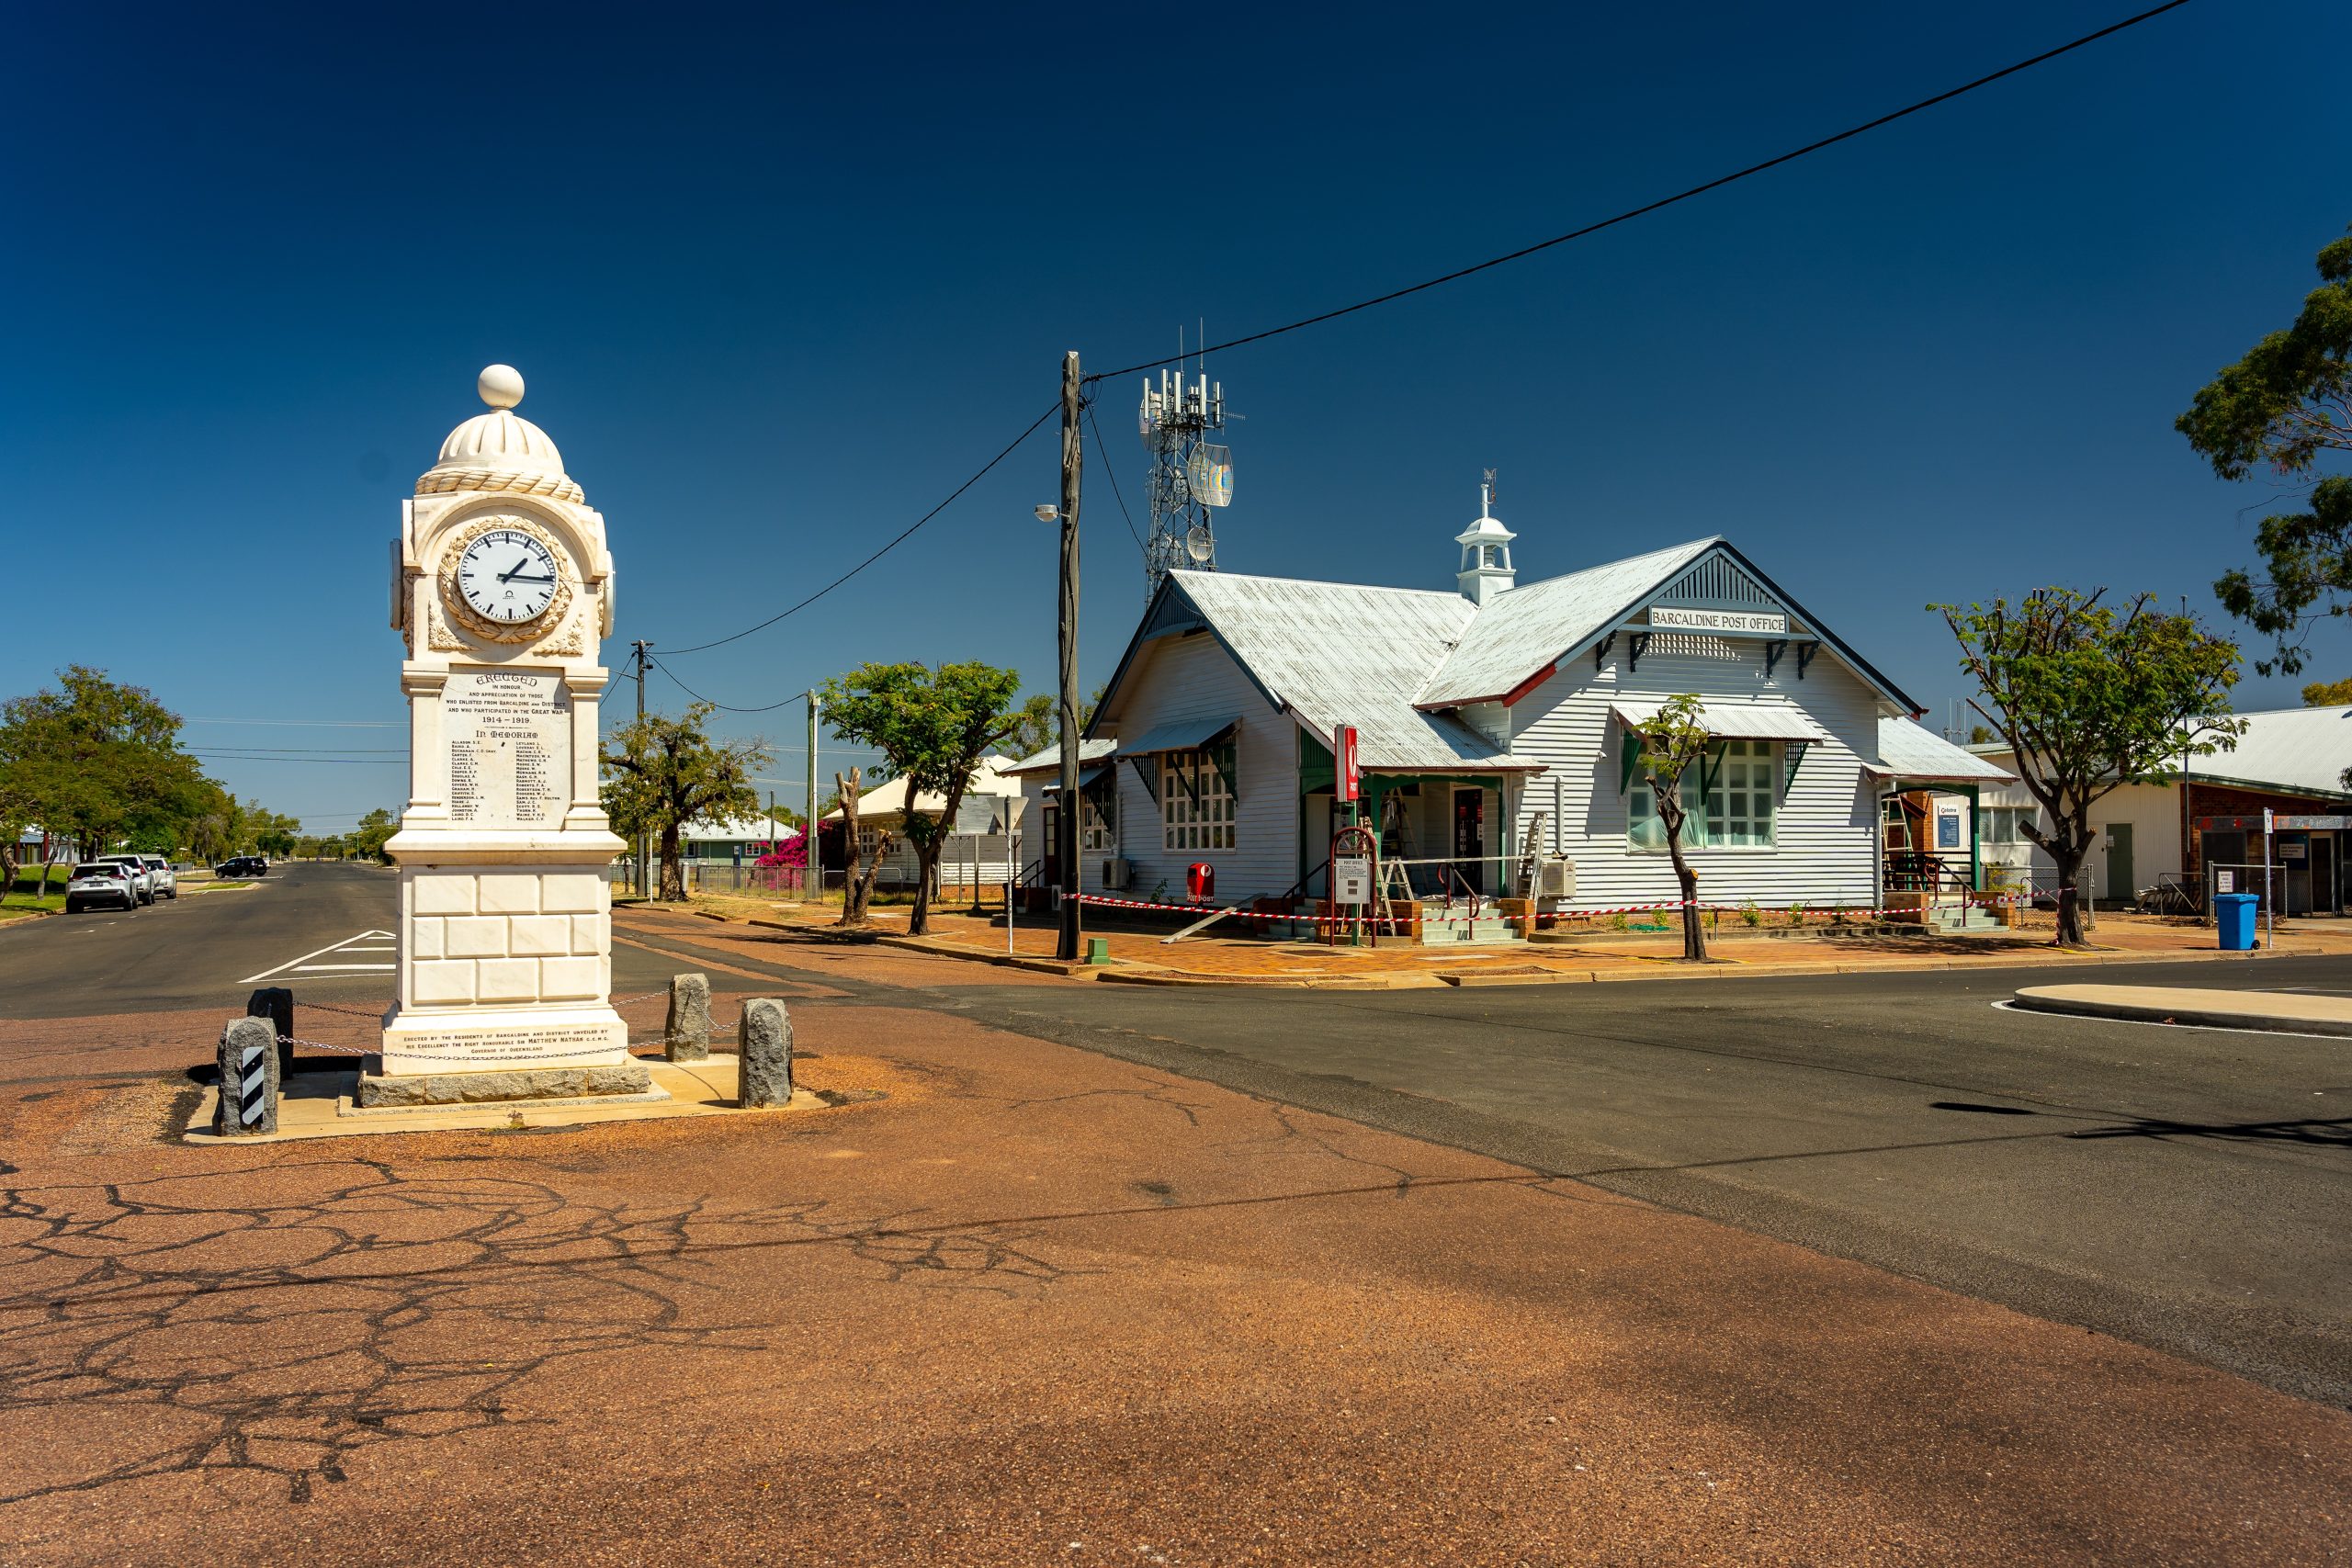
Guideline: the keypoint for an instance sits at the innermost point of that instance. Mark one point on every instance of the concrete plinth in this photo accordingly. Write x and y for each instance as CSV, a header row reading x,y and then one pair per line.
x,y
378,1090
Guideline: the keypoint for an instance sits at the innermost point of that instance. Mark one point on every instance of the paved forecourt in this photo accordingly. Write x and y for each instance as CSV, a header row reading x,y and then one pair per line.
x,y
856,1334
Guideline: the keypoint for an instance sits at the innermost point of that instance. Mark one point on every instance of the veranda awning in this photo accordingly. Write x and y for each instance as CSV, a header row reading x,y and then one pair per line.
x,y
1732,720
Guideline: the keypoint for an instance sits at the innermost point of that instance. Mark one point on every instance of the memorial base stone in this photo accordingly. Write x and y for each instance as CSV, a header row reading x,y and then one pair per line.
x,y
378,1091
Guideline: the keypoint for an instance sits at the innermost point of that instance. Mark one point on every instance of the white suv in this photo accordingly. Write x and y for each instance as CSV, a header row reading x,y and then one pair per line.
x,y
143,881
101,882
167,880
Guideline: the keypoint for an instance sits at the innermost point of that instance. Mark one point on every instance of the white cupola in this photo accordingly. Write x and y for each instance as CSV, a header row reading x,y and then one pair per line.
x,y
1486,552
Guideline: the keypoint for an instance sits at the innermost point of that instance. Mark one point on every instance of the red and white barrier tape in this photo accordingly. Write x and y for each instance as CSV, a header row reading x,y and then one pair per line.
x,y
1672,903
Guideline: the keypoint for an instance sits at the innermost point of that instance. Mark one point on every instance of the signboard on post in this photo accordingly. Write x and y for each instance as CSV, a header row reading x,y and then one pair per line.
x,y
1351,879
1346,782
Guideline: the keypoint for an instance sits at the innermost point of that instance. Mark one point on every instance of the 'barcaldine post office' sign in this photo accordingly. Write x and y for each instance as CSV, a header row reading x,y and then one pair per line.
x,y
1666,618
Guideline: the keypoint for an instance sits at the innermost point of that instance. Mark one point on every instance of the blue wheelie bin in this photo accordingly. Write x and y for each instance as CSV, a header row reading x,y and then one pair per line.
x,y
2233,912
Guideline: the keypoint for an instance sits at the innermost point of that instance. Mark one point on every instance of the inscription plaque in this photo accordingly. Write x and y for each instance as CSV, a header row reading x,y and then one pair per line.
x,y
509,734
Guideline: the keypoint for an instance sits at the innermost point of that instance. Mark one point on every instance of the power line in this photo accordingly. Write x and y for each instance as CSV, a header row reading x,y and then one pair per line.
x,y
902,537
723,707
1632,213
329,762
1103,452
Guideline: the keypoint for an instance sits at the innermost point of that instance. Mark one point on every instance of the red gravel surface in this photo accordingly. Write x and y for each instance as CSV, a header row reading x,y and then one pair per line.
x,y
1030,1305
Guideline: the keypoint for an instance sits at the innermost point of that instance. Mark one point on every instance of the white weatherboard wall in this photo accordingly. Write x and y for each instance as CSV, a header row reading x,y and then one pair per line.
x,y
2153,811
1183,678
1828,846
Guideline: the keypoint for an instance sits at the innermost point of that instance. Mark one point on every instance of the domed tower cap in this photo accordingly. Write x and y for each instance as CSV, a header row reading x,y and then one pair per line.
x,y
499,450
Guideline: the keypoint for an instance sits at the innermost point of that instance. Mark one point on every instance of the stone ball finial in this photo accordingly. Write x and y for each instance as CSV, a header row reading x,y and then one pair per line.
x,y
501,386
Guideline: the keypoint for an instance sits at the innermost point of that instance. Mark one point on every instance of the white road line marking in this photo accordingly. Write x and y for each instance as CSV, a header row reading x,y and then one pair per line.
x,y
320,952
338,968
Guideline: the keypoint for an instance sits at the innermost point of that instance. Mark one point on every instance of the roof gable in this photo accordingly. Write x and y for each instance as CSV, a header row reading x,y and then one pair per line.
x,y
1519,634
1520,631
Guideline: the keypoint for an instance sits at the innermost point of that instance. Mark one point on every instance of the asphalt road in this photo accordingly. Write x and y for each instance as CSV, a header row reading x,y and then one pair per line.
x,y
2185,1189
323,930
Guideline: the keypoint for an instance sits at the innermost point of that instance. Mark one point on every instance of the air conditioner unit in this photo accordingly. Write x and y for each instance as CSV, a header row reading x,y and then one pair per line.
x,y
1117,872
1555,879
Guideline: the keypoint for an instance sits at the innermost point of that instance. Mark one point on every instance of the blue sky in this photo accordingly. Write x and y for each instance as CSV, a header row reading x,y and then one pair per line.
x,y
780,282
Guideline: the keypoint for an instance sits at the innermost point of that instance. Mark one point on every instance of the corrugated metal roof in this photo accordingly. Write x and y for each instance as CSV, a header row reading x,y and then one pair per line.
x,y
1341,653
1520,631
2303,751
1184,735
1735,720
890,799
1911,750
1049,761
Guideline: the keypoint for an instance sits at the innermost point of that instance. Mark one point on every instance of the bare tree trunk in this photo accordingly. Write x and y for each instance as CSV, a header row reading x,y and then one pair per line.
x,y
927,850
2069,857
1694,939
674,877
857,879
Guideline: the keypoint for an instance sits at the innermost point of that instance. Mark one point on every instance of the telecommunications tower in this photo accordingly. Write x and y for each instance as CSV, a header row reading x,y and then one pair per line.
x,y
1189,475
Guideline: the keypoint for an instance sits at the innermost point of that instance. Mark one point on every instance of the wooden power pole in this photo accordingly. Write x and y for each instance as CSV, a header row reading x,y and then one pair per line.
x,y
1066,846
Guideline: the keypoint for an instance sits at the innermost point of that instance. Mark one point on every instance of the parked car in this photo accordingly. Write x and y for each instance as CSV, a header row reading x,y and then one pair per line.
x,y
242,865
167,881
107,883
142,879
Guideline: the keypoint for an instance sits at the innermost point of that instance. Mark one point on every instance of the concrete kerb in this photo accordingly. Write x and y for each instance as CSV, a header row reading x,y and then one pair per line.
x,y
2275,1012
1662,968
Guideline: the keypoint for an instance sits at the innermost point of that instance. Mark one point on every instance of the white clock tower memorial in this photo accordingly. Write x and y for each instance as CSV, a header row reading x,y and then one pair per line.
x,y
503,589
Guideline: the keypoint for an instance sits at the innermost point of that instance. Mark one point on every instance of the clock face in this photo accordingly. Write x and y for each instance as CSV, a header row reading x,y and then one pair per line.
x,y
507,576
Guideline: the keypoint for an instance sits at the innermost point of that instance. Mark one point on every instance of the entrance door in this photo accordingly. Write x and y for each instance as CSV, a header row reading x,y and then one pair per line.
x,y
2326,898
1470,836
2121,885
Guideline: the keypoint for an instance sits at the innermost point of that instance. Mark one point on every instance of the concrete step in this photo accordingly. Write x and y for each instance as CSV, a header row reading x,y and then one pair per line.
x,y
1447,934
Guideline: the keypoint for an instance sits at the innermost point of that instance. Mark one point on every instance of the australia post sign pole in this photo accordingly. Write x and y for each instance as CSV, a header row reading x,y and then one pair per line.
x,y
1345,779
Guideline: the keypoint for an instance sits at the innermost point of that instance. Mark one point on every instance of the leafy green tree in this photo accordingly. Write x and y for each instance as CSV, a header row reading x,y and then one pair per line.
x,y
1036,723
2088,698
2328,693
367,840
99,762
1673,738
932,728
2288,405
271,832
662,774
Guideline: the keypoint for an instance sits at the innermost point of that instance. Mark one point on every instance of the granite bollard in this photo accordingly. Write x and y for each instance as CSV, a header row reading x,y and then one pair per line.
x,y
248,1079
687,1036
276,1003
763,1068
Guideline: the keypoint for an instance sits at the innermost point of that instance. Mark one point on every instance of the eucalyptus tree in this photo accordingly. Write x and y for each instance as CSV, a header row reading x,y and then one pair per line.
x,y
2088,698
2286,405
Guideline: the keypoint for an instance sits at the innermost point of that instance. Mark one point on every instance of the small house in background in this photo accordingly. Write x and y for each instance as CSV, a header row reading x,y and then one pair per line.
x,y
2167,844
1495,728
976,854
736,841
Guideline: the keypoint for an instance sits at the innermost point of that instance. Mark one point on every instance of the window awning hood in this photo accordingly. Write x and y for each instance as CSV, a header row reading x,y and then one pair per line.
x,y
1183,735
1732,720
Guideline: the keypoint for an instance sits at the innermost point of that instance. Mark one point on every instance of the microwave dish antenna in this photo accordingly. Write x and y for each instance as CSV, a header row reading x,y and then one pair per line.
x,y
1191,475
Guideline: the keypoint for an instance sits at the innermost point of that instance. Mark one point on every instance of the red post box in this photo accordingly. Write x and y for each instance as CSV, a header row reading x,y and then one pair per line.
x,y
1200,881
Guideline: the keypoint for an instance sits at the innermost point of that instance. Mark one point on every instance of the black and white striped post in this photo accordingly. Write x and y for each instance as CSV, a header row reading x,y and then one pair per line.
x,y
248,1079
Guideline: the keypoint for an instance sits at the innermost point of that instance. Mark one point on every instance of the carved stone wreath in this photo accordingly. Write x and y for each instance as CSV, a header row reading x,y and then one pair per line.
x,y
482,626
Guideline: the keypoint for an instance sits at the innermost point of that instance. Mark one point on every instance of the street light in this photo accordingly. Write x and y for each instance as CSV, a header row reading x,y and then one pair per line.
x,y
1048,512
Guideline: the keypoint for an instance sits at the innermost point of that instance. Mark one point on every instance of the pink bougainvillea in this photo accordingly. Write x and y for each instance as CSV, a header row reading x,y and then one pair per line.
x,y
792,851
